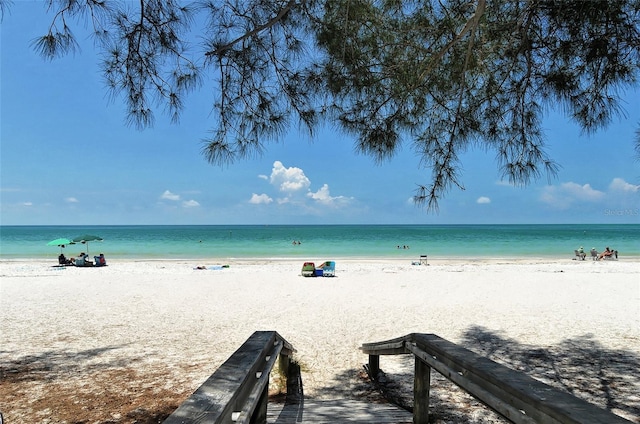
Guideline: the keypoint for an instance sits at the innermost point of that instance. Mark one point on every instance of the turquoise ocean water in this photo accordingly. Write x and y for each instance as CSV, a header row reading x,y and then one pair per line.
x,y
322,242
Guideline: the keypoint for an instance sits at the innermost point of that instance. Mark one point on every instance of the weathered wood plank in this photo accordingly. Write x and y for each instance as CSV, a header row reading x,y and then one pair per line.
x,y
389,347
337,411
494,400
374,366
421,389
255,408
541,402
515,395
224,392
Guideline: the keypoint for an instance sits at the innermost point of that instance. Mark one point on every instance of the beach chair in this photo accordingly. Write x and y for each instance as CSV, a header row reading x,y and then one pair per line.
x,y
328,269
594,254
580,255
423,260
309,269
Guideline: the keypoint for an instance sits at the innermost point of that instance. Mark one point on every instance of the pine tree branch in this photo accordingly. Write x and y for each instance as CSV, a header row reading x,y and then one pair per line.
x,y
222,49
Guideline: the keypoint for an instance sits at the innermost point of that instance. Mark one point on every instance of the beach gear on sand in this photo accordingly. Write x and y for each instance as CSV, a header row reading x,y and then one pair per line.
x,y
212,267
326,269
309,269
60,242
422,261
86,238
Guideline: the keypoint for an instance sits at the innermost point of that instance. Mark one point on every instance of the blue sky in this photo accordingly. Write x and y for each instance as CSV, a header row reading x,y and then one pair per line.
x,y
68,158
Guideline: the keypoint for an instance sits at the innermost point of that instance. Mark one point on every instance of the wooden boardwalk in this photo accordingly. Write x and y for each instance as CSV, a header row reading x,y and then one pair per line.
x,y
238,390
337,411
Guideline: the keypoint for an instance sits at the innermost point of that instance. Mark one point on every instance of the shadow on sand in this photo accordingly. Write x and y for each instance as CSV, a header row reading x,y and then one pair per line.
x,y
79,387
608,378
52,364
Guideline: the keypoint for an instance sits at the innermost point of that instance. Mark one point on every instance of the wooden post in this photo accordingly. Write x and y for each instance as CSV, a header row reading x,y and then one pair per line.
x,y
374,366
294,385
421,387
260,413
283,369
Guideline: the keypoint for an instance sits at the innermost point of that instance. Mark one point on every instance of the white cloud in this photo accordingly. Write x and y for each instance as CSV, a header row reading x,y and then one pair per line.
x,y
167,195
190,204
260,199
618,184
293,185
582,192
288,179
27,204
564,195
483,200
324,196
71,200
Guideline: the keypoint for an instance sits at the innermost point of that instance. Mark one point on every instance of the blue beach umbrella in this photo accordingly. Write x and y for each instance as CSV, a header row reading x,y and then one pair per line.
x,y
85,239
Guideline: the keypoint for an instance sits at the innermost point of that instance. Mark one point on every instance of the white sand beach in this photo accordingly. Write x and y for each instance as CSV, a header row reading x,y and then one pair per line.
x,y
129,342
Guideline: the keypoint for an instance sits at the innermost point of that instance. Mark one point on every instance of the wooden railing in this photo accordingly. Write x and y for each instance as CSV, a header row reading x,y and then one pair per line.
x,y
514,395
238,391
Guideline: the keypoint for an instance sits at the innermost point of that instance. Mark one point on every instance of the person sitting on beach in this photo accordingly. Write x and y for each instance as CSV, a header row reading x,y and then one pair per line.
x,y
607,252
582,253
62,260
83,260
100,260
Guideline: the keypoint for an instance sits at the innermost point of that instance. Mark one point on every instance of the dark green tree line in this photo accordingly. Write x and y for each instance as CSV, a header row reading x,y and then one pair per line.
x,y
444,76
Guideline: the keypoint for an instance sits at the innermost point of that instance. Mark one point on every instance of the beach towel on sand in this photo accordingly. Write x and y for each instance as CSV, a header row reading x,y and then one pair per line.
x,y
212,267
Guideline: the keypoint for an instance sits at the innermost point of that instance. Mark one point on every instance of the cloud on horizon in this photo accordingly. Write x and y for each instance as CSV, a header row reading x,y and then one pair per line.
x,y
567,194
190,204
324,197
618,184
483,200
260,199
167,195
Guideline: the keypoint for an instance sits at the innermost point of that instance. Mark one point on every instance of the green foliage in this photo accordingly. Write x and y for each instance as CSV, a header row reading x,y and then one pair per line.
x,y
458,74
444,76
